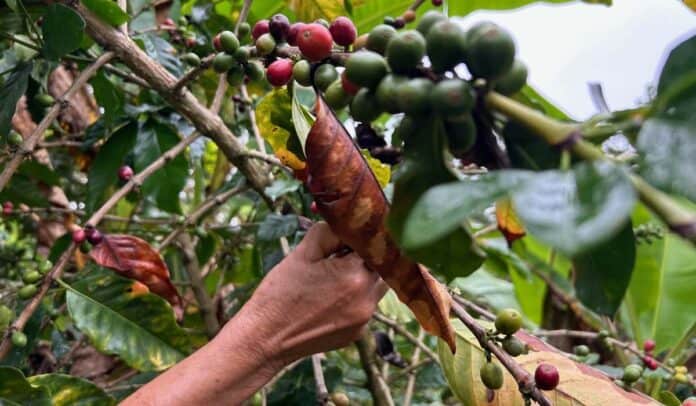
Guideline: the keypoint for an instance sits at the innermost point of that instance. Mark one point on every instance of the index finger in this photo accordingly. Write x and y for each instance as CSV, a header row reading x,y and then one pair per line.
x,y
319,242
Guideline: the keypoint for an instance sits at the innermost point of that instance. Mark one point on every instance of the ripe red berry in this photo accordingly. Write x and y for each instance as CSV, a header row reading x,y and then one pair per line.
x,y
437,3
689,402
94,236
191,42
546,377
7,208
168,22
314,41
279,72
79,236
293,32
343,31
313,207
650,363
217,44
648,345
278,26
125,173
348,86
260,28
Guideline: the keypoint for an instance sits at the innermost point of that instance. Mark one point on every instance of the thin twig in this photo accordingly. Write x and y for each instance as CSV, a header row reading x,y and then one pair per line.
x,y
30,142
411,384
406,334
523,378
194,73
379,389
243,14
322,392
193,269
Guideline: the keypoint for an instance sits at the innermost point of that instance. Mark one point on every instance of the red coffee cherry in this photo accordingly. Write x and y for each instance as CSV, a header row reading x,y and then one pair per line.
x,y
313,207
343,31
125,173
348,86
217,44
293,32
279,72
7,208
278,26
260,28
546,377
168,22
650,363
94,236
315,41
437,3
648,345
79,236
191,42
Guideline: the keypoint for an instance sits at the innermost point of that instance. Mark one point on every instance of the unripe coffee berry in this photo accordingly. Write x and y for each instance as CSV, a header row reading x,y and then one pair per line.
x,y
265,44
315,42
632,373
513,346
279,72
79,236
125,173
229,42
260,28
343,31
19,339
546,377
491,375
508,321
278,26
581,350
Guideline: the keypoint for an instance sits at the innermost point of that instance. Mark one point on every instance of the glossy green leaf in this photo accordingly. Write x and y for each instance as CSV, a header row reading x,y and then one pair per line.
x,y
301,119
62,30
454,253
275,226
108,96
138,327
576,210
16,390
660,299
679,64
39,172
103,173
602,274
281,187
153,140
161,51
395,309
443,208
527,150
66,390
12,89
107,10
485,289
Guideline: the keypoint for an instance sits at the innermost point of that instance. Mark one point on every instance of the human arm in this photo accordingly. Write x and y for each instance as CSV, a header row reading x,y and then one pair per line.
x,y
313,301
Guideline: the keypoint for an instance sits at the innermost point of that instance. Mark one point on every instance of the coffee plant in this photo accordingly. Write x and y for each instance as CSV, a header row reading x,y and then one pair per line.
x,y
157,159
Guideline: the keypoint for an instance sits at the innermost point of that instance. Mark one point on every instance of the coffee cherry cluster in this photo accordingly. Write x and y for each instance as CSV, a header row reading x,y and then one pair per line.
x,y
507,323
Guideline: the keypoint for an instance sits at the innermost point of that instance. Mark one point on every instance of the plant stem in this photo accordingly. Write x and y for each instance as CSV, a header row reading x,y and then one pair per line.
x,y
322,391
193,269
411,384
376,384
406,334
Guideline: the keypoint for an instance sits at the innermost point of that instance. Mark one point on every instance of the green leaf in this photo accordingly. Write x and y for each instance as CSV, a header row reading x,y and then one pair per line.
x,y
301,119
275,226
669,398
660,300
680,62
108,96
164,185
16,390
668,149
111,156
443,208
454,253
395,309
66,390
163,52
310,10
576,210
531,97
139,328
527,150
39,172
281,187
13,88
276,122
107,10
485,289
602,274
62,30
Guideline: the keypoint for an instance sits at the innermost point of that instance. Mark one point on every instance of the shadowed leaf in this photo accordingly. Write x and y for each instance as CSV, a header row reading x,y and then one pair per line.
x,y
66,390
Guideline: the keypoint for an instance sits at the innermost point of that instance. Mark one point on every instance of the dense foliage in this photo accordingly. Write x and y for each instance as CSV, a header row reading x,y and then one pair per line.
x,y
156,162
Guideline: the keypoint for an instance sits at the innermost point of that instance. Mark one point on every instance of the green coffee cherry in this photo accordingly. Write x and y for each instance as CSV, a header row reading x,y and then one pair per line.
x,y
191,59
581,350
27,292
405,51
301,73
14,139
19,339
366,69
6,316
492,375
461,134
31,276
229,42
379,37
44,266
406,129
414,96
244,29
513,346
235,76
386,92
632,373
242,54
254,70
324,76
452,97
265,44
490,51
508,321
336,97
446,46
514,80
428,20
364,107
223,62
44,99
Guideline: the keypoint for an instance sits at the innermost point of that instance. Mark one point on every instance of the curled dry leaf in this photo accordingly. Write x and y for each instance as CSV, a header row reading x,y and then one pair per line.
x,y
508,222
134,258
351,200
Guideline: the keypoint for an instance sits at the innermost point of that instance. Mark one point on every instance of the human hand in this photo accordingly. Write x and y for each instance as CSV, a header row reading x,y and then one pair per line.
x,y
314,300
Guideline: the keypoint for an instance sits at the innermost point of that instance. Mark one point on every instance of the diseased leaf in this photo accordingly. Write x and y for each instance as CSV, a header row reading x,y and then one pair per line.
x,y
381,171
602,274
107,10
508,222
67,390
62,30
134,258
16,390
139,328
275,124
574,211
12,89
579,384
350,199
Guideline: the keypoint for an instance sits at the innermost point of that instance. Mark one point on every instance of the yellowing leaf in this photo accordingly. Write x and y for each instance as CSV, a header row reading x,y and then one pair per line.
x,y
274,119
579,384
382,171
310,10
508,223
690,4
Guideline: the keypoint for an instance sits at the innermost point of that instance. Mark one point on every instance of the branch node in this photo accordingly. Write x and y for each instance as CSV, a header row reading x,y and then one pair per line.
x,y
569,141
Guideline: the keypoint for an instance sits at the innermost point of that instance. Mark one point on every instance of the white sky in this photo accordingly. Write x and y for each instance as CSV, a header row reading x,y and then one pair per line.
x,y
566,46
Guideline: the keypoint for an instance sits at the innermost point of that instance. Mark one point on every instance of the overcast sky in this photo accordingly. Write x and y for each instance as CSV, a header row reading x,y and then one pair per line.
x,y
567,46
